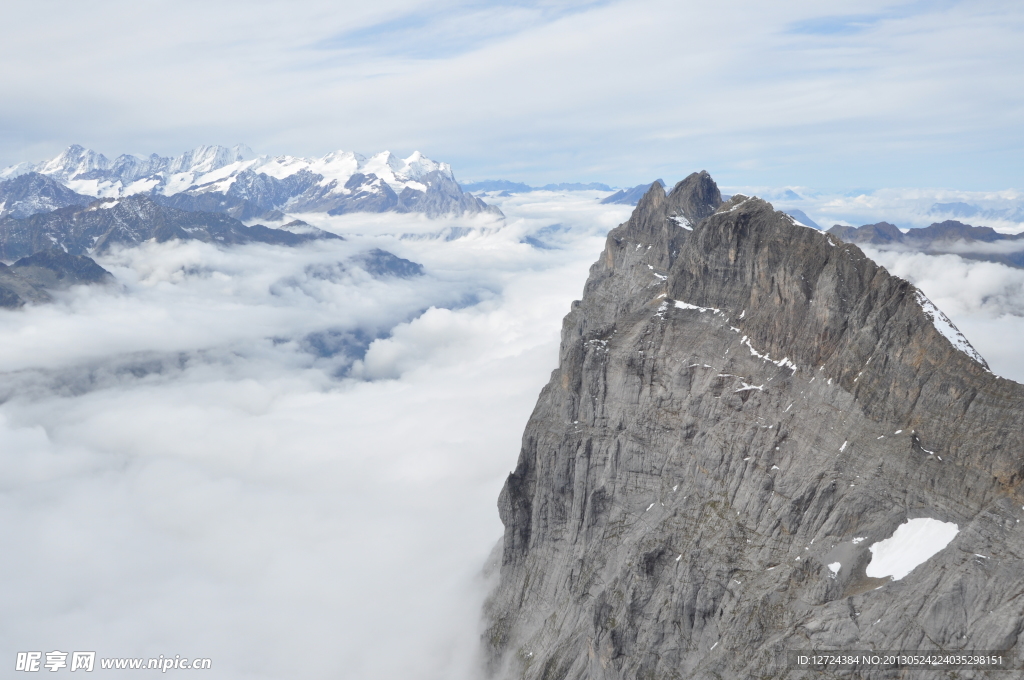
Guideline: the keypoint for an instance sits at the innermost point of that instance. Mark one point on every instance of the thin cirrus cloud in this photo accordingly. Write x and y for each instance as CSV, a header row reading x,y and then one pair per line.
x,y
845,25
852,24
439,31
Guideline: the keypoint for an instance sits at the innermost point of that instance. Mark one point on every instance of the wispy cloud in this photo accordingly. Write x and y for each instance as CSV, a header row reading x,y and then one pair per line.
x,y
835,25
445,30
865,94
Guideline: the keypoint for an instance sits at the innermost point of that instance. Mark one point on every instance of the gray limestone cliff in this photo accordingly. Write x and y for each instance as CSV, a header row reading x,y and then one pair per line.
x,y
743,408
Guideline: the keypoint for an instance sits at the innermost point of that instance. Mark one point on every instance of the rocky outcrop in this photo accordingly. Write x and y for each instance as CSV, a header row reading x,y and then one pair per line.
x,y
16,291
743,408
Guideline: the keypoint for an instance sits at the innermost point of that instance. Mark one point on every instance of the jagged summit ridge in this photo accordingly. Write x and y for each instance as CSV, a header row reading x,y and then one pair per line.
x,y
91,173
742,408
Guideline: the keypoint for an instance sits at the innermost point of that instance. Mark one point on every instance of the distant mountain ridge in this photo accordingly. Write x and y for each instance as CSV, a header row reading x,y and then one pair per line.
x,y
961,209
237,182
31,279
130,221
505,185
632,195
951,236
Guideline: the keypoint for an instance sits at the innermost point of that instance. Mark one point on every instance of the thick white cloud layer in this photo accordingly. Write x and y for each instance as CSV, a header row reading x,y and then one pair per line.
x,y
183,473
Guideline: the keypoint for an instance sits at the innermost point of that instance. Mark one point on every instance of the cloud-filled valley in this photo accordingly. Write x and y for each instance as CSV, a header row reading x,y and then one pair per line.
x,y
272,457
188,470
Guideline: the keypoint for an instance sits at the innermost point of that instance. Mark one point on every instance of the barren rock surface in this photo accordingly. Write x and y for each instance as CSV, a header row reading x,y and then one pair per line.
x,y
741,402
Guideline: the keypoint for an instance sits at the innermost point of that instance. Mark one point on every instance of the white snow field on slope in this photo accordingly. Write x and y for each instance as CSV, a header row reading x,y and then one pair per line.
x,y
911,545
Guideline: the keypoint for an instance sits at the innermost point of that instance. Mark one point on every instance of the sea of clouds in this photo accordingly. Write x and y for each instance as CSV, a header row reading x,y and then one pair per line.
x,y
268,457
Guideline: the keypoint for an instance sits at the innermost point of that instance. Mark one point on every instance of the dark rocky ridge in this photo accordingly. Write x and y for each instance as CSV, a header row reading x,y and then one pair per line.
x,y
691,469
130,221
31,278
33,193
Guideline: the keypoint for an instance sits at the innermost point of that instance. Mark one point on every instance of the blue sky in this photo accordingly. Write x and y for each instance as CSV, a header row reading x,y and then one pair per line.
x,y
861,94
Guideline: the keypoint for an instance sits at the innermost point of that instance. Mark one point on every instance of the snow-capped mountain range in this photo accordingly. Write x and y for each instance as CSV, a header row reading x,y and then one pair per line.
x,y
244,185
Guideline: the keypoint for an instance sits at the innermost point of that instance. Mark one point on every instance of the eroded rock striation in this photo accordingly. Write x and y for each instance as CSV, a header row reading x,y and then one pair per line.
x,y
743,408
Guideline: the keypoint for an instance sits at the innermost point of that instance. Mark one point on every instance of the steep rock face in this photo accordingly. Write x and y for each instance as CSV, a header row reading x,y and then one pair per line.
x,y
742,408
361,193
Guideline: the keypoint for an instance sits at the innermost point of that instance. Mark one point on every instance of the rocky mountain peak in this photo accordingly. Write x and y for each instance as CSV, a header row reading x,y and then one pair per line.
x,y
696,197
203,159
744,409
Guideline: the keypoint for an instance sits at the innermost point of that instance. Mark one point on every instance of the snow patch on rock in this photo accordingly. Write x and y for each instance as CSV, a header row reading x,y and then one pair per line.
x,y
911,545
949,331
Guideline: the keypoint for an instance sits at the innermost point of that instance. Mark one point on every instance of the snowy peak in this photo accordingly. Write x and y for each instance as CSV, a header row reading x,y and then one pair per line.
x,y
203,159
75,160
207,178
400,171
93,174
